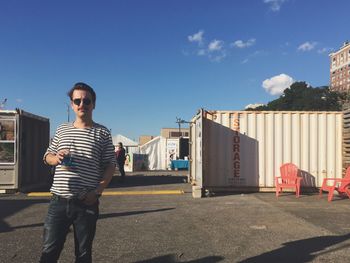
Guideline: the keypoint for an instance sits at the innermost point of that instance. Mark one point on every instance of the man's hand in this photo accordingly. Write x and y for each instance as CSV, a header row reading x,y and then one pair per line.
x,y
90,198
56,159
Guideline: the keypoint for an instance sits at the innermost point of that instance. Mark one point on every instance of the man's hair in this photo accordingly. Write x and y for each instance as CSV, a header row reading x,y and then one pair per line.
x,y
82,86
121,144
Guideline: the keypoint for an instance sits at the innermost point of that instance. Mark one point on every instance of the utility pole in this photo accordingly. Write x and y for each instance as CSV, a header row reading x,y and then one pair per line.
x,y
68,111
2,104
180,121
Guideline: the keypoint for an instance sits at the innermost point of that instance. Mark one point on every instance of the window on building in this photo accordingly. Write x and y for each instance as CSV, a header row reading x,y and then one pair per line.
x,y
178,134
175,134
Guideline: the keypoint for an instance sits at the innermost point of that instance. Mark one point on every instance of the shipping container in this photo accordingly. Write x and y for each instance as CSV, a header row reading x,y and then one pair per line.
x,y
24,138
245,149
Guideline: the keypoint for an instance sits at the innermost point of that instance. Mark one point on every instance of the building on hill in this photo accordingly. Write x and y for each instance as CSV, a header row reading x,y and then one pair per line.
x,y
340,69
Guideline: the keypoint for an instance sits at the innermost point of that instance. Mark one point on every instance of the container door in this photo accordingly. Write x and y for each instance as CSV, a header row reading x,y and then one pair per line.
x,y
8,152
196,143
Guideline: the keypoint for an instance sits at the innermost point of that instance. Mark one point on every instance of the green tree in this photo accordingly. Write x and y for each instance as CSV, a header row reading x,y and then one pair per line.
x,y
302,97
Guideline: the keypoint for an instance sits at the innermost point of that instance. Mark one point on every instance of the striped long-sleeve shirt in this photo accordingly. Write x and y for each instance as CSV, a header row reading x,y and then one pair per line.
x,y
91,150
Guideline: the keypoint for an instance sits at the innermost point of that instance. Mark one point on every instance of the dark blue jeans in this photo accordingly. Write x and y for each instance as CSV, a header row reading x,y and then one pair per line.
x,y
122,171
61,215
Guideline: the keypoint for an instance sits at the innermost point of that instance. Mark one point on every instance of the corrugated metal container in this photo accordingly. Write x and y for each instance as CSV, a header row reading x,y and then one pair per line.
x,y
238,149
346,136
24,138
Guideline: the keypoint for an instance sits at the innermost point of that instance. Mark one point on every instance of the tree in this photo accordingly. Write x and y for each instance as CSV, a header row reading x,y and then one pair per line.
x,y
302,97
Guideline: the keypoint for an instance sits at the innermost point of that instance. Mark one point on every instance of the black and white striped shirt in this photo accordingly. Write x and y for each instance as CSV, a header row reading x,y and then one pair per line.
x,y
91,150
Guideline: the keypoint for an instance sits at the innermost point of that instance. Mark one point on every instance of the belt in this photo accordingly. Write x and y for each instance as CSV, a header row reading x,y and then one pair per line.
x,y
62,198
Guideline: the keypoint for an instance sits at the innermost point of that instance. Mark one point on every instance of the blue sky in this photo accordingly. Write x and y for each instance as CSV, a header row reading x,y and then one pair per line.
x,y
152,61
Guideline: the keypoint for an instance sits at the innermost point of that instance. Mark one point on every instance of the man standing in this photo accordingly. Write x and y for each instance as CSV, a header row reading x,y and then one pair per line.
x,y
120,156
83,154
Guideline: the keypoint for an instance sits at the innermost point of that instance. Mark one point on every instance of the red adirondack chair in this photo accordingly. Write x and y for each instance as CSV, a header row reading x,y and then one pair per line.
x,y
341,185
289,179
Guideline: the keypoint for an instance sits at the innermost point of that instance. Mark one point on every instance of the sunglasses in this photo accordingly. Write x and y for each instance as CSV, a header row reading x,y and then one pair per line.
x,y
86,102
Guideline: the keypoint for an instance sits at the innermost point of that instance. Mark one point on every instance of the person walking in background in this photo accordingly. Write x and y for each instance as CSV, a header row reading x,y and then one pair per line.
x,y
83,154
120,155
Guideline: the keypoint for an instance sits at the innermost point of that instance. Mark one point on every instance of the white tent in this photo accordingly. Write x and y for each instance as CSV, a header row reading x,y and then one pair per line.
x,y
160,152
130,145
155,149
125,140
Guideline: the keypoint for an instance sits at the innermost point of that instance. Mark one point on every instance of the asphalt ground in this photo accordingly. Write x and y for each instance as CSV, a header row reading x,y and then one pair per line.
x,y
255,227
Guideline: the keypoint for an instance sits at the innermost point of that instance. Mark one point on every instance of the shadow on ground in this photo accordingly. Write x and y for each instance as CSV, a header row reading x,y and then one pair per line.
x,y
129,213
304,250
141,180
11,207
175,259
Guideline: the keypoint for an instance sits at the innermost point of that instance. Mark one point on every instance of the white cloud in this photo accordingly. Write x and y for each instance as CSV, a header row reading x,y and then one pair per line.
x,y
325,50
197,37
215,45
242,44
201,52
254,55
19,100
218,57
275,5
307,46
253,106
215,50
277,84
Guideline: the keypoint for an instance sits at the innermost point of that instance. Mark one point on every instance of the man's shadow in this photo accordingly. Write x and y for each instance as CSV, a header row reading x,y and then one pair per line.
x,y
174,259
129,213
301,250
11,207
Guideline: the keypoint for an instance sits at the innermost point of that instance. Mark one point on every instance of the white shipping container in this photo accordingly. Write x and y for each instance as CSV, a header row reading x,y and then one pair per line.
x,y
246,148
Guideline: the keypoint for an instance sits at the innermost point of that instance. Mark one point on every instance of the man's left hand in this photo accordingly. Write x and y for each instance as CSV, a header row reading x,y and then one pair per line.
x,y
91,198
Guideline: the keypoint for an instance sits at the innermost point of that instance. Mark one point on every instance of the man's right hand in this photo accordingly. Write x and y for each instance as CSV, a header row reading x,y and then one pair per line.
x,y
56,159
